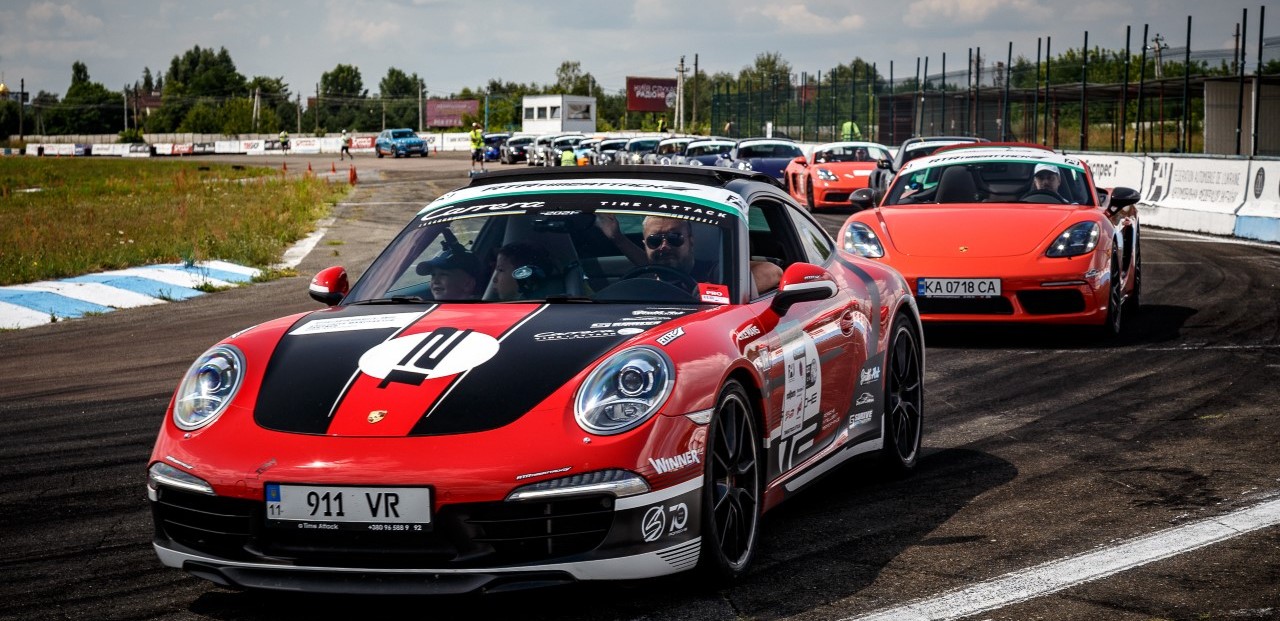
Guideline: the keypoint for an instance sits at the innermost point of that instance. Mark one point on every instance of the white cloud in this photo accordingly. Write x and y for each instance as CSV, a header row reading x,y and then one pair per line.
x,y
797,18
60,16
929,13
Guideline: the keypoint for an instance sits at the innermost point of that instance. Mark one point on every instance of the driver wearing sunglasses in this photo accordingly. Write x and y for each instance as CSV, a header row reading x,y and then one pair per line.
x,y
669,242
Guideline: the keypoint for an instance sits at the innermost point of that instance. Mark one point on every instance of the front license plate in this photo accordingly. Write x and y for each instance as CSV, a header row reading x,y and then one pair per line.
x,y
344,508
958,287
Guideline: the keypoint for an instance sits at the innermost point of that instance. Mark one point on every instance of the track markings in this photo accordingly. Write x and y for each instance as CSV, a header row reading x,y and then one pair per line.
x,y
1054,576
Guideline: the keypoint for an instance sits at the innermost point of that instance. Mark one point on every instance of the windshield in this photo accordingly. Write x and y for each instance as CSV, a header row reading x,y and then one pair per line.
x,y
515,142
642,145
612,145
403,133
708,148
977,181
585,247
769,149
849,153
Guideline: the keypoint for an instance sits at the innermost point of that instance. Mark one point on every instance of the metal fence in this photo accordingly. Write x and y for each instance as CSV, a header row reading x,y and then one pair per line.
x,y
1139,98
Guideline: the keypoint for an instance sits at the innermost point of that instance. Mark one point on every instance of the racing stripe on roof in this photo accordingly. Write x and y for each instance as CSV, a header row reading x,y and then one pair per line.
x,y
706,196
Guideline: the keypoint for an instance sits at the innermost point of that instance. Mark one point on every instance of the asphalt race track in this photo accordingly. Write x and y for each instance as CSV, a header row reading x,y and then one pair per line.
x,y
1041,444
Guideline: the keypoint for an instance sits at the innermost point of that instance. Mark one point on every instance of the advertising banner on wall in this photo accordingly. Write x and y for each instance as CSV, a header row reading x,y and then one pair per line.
x,y
449,112
1259,218
1195,194
650,94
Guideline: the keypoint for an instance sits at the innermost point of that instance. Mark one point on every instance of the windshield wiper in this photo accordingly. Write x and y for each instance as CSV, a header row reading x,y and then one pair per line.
x,y
395,299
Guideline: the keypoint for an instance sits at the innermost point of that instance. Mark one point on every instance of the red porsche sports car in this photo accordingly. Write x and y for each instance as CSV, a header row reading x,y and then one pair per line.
x,y
1000,232
829,175
548,376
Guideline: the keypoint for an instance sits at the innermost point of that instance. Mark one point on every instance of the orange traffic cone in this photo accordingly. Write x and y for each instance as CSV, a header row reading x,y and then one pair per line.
x,y
352,178
333,168
284,167
308,168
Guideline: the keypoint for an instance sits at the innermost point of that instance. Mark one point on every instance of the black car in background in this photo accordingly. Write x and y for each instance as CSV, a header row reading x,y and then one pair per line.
x,y
704,151
513,150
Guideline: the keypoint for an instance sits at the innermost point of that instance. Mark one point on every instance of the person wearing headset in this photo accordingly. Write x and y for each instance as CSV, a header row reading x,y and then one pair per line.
x,y
522,271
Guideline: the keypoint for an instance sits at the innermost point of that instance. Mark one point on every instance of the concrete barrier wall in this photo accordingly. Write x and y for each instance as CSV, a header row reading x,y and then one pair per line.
x,y
1203,194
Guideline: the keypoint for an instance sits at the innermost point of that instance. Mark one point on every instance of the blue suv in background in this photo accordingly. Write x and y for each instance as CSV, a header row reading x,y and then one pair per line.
x,y
398,142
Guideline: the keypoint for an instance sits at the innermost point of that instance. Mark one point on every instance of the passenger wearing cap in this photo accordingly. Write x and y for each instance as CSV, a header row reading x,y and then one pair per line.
x,y
454,275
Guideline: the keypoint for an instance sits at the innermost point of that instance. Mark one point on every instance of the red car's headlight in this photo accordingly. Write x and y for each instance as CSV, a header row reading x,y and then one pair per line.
x,y
624,391
209,386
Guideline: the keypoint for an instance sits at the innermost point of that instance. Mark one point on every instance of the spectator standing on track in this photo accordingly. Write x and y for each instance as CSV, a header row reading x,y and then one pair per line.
x,y
346,146
477,147
284,141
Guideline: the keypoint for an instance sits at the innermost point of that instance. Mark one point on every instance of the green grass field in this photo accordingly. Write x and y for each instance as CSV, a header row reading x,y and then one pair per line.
x,y
66,217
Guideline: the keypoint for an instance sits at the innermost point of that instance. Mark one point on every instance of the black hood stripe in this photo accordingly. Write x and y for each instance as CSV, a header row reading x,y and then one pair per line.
x,y
309,373
445,395
538,357
355,374
873,290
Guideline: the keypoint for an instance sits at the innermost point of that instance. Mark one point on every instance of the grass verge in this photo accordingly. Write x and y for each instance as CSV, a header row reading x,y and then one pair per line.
x,y
66,217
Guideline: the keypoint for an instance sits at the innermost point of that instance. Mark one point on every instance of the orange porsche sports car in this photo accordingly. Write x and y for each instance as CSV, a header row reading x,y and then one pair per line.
x,y
828,176
1005,233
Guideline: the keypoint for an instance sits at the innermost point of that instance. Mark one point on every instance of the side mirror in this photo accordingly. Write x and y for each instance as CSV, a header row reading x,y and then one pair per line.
x,y
883,164
801,160
1122,197
863,198
329,286
802,282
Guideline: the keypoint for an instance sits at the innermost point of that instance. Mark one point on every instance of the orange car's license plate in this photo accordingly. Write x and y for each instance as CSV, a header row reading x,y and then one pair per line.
x,y
958,287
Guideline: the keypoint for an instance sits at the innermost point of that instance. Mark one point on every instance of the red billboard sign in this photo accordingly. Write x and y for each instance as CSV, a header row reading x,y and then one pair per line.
x,y
449,112
650,94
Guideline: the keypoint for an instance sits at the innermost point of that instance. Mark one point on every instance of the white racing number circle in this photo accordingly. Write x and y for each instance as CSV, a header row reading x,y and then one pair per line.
x,y
417,357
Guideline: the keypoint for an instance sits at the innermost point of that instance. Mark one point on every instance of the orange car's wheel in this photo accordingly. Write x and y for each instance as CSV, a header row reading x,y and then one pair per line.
x,y
808,193
1114,323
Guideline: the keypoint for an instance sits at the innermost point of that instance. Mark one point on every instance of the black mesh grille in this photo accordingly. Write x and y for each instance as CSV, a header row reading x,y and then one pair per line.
x,y
1051,301
836,197
964,306
463,535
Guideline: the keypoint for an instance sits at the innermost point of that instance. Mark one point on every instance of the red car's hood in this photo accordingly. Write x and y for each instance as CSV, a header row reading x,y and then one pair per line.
x,y
431,370
976,231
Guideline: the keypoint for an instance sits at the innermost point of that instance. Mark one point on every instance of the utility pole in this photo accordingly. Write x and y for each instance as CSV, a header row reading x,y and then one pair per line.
x,y
22,105
317,110
299,96
421,87
124,96
694,108
679,124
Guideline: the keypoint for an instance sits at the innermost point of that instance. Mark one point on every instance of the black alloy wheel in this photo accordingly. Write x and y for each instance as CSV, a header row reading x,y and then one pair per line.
x,y
904,397
1135,295
732,487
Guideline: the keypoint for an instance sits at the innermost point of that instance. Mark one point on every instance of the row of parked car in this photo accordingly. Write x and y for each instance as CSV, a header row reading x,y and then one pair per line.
x,y
826,177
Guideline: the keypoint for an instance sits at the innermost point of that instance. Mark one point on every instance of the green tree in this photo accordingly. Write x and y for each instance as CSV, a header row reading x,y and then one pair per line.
x,y
88,108
201,118
399,93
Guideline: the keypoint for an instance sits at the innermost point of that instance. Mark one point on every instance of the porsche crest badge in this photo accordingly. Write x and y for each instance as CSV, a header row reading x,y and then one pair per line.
x,y
377,415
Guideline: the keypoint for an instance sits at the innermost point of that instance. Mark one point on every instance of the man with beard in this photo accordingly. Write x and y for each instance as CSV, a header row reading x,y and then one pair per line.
x,y
669,242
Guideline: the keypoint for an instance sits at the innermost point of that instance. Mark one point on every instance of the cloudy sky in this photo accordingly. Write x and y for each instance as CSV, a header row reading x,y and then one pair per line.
x,y
454,43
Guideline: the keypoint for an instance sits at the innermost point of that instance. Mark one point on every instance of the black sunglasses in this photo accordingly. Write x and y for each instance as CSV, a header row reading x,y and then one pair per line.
x,y
675,240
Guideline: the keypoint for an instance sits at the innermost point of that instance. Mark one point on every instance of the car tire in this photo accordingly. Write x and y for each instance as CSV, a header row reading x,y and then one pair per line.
x,y
379,152
1113,325
732,487
1135,296
903,397
808,194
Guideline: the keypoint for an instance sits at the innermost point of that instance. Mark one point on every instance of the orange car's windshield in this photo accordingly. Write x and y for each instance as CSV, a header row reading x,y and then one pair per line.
x,y
1008,181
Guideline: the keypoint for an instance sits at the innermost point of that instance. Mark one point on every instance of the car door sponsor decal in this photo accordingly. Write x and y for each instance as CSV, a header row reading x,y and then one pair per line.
x,y
528,369
311,368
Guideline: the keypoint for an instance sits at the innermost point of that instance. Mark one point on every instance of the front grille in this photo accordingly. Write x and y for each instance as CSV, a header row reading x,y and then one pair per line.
x,y
462,535
837,197
964,306
1051,301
